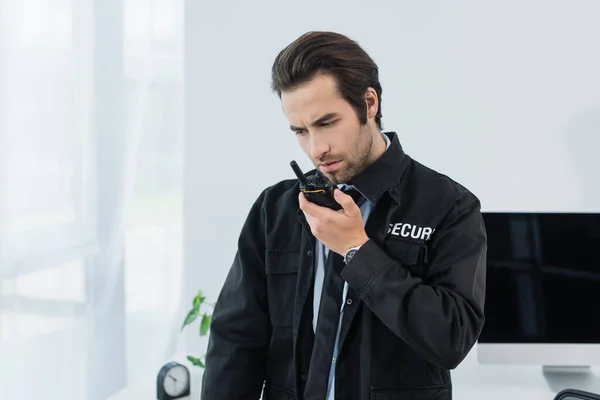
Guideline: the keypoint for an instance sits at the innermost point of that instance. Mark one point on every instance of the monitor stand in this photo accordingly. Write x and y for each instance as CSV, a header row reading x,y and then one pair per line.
x,y
571,377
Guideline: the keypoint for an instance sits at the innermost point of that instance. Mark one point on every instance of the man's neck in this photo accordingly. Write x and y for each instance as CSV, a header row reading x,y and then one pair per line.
x,y
379,146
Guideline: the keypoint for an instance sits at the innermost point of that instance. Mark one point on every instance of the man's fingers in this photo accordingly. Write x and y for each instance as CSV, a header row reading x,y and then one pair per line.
x,y
310,208
345,201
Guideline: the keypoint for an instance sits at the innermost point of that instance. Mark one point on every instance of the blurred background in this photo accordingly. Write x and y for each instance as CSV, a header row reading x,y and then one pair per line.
x,y
91,186
135,135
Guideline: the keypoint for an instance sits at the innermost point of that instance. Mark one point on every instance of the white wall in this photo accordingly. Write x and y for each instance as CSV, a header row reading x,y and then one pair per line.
x,y
502,96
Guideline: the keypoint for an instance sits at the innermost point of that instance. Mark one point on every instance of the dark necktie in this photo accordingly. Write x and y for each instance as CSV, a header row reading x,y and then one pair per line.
x,y
327,323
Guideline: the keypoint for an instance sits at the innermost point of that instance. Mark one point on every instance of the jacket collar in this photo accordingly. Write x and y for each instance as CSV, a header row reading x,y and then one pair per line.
x,y
385,174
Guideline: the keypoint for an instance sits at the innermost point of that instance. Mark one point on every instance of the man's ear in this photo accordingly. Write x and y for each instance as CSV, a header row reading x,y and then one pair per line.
x,y
372,102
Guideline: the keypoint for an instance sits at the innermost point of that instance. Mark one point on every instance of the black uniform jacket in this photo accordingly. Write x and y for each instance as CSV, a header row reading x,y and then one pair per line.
x,y
416,292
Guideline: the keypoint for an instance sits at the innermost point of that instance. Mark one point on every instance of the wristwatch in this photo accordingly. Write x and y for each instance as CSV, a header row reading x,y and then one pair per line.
x,y
350,253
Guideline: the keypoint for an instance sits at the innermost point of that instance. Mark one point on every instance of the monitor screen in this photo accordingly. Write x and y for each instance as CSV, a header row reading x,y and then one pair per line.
x,y
543,278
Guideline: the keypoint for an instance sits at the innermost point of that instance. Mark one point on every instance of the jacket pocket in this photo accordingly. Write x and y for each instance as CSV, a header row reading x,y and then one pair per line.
x,y
432,392
282,275
412,256
273,392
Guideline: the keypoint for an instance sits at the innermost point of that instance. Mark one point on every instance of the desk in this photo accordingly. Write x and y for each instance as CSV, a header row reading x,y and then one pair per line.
x,y
463,390
501,392
471,381
472,392
147,391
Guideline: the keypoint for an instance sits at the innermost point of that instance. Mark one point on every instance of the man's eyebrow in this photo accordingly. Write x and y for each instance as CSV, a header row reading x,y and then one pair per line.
x,y
318,121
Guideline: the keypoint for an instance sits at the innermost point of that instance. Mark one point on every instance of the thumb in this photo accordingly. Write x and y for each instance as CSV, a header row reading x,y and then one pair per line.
x,y
344,200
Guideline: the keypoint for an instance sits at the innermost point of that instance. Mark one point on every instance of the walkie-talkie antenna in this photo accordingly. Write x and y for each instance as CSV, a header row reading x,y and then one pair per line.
x,y
298,173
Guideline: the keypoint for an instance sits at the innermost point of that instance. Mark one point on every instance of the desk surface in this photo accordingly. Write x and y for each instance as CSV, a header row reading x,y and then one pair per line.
x,y
146,390
471,381
468,392
143,391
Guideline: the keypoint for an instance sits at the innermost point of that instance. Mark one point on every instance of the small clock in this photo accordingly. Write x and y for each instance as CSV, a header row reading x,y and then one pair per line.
x,y
173,382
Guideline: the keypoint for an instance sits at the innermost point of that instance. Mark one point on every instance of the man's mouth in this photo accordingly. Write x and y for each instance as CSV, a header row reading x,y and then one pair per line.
x,y
330,166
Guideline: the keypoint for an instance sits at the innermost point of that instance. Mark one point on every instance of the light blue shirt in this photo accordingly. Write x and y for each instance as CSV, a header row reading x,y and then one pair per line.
x,y
321,258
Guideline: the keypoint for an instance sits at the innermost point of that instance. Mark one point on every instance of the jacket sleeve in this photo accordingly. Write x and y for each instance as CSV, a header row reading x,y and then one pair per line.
x,y
441,315
240,329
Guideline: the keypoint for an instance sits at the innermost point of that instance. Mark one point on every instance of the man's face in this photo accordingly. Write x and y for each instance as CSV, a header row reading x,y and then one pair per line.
x,y
328,129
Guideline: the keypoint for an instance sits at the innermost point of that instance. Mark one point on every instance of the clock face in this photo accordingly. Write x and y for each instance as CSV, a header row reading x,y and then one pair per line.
x,y
176,381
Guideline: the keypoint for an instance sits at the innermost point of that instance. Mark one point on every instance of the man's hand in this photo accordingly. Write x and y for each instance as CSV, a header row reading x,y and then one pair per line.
x,y
338,230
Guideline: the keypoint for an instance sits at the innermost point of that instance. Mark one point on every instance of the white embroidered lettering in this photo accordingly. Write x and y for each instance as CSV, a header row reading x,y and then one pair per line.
x,y
415,233
404,232
408,230
426,233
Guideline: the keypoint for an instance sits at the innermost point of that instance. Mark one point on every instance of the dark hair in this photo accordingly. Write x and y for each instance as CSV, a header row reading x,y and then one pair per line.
x,y
331,53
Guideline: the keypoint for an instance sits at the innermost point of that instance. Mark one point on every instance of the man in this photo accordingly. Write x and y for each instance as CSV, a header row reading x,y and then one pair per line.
x,y
380,299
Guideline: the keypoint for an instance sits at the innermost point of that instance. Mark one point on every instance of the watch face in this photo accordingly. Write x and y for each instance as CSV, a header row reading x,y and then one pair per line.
x,y
350,255
176,381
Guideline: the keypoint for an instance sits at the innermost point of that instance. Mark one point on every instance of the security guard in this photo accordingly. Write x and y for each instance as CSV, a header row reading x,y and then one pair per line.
x,y
377,300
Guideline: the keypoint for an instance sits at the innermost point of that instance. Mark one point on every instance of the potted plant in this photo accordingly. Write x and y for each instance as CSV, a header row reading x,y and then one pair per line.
x,y
193,314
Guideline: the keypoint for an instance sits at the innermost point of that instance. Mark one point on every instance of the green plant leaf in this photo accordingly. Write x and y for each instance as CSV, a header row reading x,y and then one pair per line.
x,y
195,361
199,299
205,324
191,316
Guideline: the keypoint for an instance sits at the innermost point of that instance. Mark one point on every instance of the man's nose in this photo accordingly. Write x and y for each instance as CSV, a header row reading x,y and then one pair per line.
x,y
318,146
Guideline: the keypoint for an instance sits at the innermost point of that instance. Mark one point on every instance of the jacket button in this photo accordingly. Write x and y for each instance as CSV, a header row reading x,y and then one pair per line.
x,y
304,377
349,301
309,252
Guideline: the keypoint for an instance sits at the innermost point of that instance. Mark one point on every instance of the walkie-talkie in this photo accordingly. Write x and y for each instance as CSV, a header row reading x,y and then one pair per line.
x,y
317,188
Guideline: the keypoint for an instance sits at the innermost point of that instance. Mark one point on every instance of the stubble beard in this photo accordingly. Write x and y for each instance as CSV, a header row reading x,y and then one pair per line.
x,y
355,163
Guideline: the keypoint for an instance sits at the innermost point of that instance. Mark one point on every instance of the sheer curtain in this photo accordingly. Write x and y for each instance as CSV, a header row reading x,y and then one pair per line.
x,y
91,147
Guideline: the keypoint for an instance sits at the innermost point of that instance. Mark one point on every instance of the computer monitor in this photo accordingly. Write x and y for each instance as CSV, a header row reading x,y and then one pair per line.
x,y
543,295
